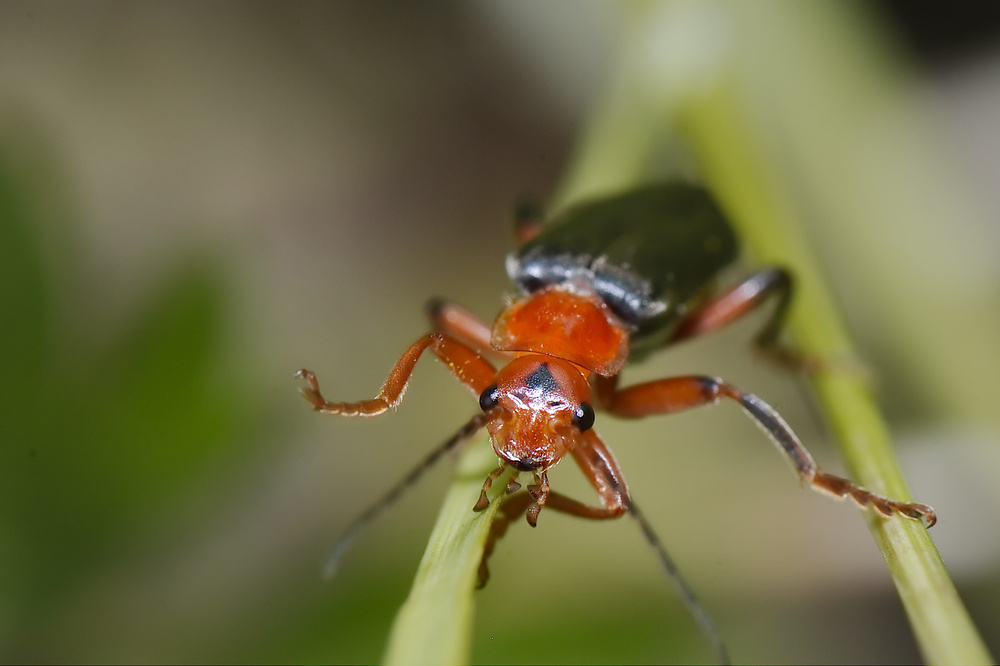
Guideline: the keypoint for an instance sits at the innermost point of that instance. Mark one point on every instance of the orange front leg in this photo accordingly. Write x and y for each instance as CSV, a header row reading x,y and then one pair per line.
x,y
475,372
459,323
680,393
600,468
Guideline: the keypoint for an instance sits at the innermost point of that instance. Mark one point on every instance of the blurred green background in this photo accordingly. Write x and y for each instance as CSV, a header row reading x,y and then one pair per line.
x,y
198,199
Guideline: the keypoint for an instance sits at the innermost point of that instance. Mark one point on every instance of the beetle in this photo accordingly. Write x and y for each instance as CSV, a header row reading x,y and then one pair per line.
x,y
607,281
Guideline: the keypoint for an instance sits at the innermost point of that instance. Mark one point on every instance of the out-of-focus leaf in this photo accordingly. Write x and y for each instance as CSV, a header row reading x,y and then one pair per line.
x,y
94,448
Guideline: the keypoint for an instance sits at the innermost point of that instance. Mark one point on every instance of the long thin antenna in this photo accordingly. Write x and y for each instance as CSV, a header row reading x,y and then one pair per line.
x,y
346,539
694,606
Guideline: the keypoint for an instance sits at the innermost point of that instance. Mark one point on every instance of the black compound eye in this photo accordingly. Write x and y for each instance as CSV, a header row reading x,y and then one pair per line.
x,y
584,417
489,398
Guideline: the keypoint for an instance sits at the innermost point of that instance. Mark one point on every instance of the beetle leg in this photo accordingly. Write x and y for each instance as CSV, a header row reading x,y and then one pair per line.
x,y
541,493
737,301
512,507
527,220
475,372
680,393
603,390
601,469
484,501
743,298
459,323
603,472
597,464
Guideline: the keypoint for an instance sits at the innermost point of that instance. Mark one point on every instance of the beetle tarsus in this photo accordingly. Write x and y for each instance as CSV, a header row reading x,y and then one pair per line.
x,y
310,391
843,488
484,501
539,492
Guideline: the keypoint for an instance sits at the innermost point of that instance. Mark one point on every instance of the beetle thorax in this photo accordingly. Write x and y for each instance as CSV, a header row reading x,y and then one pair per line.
x,y
568,321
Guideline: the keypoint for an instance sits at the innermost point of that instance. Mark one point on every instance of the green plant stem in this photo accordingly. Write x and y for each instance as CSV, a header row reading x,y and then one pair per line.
x,y
738,174
434,624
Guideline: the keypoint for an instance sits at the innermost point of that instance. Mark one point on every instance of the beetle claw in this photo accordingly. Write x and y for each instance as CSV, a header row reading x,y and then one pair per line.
x,y
532,514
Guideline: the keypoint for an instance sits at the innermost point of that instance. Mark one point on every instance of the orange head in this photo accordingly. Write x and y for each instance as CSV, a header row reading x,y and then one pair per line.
x,y
540,407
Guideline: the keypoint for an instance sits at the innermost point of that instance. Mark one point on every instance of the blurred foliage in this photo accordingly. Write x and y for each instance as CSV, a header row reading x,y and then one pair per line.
x,y
99,437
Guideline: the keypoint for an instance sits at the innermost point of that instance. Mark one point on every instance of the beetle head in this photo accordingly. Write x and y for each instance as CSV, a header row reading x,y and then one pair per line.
x,y
540,407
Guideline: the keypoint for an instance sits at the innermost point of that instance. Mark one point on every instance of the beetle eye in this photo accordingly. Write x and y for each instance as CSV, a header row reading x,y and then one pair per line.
x,y
584,417
489,398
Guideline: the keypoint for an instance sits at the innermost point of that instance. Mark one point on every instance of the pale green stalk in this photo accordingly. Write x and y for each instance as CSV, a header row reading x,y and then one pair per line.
x,y
434,624
737,173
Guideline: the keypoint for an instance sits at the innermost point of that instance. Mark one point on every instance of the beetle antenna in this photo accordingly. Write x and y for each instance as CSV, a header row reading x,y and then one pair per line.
x,y
347,539
694,606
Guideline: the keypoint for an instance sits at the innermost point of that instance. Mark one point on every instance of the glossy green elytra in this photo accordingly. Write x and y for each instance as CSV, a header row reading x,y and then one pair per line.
x,y
650,253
